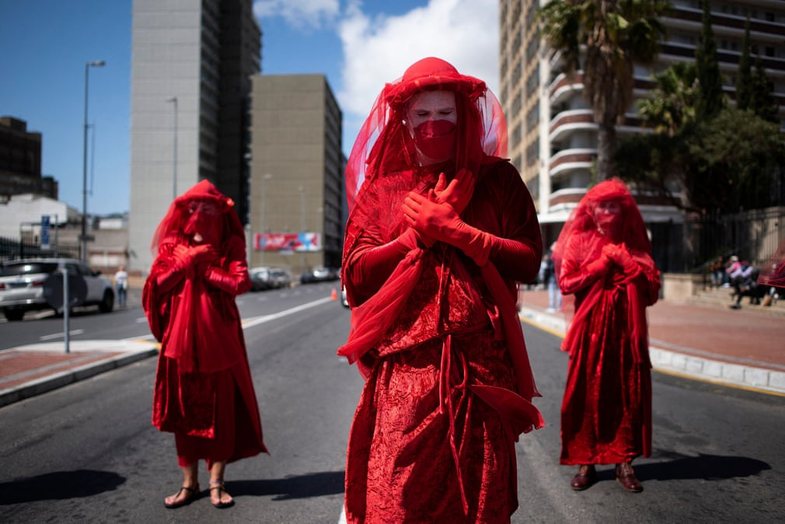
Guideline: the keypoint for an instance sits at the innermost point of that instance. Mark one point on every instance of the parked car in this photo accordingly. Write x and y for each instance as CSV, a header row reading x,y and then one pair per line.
x,y
280,277
260,278
344,300
24,285
263,278
319,274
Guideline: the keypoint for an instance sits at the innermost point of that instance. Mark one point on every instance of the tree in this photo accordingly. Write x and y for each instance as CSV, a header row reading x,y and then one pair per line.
x,y
708,69
762,102
744,78
615,35
672,104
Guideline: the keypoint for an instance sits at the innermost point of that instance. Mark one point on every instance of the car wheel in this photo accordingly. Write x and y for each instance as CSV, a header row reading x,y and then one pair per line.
x,y
107,304
13,315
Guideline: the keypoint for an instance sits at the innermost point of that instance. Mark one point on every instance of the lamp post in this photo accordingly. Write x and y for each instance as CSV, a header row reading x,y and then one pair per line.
x,y
83,236
265,188
174,151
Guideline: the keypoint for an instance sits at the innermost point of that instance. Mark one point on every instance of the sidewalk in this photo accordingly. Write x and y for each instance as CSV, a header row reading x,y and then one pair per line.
x,y
737,348
740,348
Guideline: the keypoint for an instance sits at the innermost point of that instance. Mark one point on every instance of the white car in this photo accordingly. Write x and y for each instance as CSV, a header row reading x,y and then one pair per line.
x,y
24,285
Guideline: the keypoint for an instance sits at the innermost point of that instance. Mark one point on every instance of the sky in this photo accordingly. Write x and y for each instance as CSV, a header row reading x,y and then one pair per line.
x,y
358,45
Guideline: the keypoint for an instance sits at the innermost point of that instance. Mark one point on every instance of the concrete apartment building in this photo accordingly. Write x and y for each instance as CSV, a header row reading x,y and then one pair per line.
x,y
296,169
552,133
192,61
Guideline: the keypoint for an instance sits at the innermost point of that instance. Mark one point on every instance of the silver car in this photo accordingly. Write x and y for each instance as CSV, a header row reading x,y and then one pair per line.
x,y
24,285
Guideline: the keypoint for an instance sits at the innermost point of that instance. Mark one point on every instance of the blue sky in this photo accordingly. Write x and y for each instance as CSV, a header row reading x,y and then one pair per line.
x,y
44,45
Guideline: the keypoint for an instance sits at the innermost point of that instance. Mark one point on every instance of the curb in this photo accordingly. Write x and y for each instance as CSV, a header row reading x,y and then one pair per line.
x,y
751,378
58,380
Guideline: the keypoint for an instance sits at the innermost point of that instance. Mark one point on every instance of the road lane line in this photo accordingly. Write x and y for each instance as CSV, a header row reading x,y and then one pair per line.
x,y
255,321
61,334
141,320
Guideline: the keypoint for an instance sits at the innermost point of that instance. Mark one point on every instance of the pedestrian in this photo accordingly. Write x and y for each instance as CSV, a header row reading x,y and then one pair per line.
x,y
203,388
121,285
604,258
551,282
439,231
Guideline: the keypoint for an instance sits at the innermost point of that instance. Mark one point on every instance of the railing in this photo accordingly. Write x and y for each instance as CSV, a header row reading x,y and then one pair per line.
x,y
11,249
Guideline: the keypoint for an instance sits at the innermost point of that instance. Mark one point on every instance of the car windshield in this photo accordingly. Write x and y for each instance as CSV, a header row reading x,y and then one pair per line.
x,y
27,268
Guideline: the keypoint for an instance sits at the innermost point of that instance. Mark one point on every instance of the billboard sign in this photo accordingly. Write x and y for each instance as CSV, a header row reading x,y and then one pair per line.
x,y
304,242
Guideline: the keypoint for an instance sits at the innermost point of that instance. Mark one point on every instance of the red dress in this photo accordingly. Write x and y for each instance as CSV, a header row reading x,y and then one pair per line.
x,y
448,381
606,410
203,392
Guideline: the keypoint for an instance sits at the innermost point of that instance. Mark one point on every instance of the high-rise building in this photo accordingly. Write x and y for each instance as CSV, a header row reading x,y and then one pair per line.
x,y
553,137
192,61
296,172
20,161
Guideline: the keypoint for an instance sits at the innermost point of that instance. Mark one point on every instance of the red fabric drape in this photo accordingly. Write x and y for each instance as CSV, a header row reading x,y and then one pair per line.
x,y
606,410
203,374
449,385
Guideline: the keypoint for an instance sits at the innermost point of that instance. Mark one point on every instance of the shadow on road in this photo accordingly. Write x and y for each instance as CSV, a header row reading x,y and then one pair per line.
x,y
59,485
676,466
295,487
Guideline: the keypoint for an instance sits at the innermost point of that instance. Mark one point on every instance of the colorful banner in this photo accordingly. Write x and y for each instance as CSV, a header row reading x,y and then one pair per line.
x,y
288,242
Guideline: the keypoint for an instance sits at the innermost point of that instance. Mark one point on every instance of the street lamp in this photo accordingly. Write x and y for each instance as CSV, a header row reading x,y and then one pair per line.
x,y
265,188
83,236
174,152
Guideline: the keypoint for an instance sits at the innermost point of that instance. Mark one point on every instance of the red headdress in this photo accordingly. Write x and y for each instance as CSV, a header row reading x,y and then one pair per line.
x,y
773,273
171,228
383,144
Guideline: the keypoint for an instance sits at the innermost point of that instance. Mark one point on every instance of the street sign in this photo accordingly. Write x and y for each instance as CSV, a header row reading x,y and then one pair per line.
x,y
53,290
44,231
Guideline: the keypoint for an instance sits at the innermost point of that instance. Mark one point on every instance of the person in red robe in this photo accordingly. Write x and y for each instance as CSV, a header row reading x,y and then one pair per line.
x,y
203,393
604,259
440,230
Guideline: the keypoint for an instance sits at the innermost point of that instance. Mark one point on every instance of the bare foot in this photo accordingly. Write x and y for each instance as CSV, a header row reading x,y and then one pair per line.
x,y
184,496
219,497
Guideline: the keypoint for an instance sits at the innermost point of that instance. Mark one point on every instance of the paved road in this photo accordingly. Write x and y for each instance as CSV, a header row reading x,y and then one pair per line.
x,y
87,452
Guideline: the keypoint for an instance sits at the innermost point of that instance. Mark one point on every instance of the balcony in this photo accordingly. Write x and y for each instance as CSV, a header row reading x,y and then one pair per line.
x,y
570,159
568,121
719,20
566,198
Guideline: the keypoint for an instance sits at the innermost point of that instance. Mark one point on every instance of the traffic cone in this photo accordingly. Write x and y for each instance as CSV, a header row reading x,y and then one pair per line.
x,y
333,294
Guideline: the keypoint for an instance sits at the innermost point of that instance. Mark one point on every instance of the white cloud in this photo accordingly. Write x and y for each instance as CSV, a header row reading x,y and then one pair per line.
x,y
298,13
379,49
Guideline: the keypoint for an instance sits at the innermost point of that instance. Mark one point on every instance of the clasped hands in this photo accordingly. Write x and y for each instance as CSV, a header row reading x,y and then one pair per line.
x,y
435,215
620,256
189,258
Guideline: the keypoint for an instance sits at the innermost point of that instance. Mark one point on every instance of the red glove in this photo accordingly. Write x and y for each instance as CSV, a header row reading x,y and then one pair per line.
x,y
235,281
619,255
183,261
458,192
440,222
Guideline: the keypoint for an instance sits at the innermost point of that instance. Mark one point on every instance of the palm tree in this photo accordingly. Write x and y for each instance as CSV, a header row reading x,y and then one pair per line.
x,y
611,36
673,104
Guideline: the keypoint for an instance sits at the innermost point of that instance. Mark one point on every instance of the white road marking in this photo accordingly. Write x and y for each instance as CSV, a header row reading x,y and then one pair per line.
x,y
61,334
255,321
141,320
342,519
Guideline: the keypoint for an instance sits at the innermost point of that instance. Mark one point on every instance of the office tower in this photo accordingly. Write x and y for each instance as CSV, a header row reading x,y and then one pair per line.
x,y
190,81
296,172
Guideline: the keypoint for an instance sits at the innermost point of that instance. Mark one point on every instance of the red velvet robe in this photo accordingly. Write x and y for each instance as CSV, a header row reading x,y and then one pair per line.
x,y
203,388
606,410
433,436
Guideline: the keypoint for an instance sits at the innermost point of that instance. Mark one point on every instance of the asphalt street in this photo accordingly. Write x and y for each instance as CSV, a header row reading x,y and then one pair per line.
x,y
88,453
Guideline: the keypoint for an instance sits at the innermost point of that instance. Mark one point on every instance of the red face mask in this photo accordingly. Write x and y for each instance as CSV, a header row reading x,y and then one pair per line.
x,y
436,139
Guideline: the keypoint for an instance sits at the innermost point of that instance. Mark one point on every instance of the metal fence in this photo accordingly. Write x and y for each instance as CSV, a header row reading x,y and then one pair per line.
x,y
11,249
751,235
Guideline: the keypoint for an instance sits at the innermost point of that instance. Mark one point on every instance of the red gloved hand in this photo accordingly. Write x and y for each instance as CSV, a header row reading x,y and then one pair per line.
x,y
234,283
621,257
440,222
458,192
